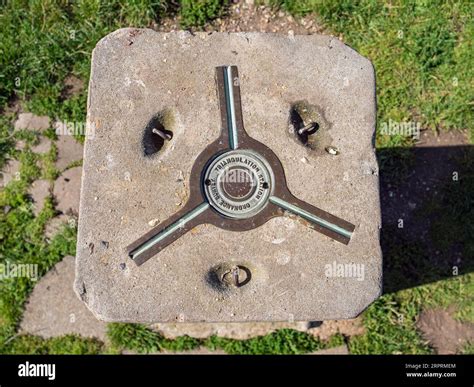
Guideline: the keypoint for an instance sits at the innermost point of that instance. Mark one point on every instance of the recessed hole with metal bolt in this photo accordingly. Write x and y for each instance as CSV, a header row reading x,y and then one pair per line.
x,y
156,134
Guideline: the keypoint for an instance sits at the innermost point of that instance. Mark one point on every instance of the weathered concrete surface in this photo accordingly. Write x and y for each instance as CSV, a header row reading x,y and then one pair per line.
x,y
138,73
54,310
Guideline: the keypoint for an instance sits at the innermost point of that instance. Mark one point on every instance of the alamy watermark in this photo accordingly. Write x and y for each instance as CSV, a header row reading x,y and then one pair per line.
x,y
405,129
345,270
77,128
17,270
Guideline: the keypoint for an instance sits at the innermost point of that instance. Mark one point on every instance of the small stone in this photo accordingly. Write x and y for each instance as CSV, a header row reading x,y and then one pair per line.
x,y
153,222
332,150
278,241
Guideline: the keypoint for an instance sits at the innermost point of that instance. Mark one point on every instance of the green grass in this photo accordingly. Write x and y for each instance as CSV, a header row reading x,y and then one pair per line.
x,y
468,349
423,55
34,345
281,342
53,39
422,51
197,13
141,339
22,240
7,142
390,322
138,338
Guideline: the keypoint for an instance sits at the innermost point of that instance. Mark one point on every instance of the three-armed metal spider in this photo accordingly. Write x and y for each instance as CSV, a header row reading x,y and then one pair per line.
x,y
237,184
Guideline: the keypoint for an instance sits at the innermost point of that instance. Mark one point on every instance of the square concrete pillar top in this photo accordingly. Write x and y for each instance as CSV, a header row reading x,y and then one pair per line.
x,y
134,178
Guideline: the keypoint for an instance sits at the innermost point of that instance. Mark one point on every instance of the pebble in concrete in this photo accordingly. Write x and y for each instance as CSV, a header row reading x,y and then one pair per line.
x,y
54,310
32,122
139,73
67,189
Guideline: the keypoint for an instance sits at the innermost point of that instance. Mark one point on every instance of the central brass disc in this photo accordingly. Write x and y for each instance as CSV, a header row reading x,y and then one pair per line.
x,y
238,183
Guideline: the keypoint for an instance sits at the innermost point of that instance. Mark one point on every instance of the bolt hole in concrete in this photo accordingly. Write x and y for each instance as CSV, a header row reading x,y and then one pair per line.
x,y
157,133
225,276
309,126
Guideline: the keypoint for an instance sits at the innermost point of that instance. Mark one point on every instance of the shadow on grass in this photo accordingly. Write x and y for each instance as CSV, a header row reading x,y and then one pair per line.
x,y
427,200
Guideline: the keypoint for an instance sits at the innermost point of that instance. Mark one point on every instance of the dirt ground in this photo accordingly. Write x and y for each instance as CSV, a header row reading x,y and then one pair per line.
x,y
245,17
446,335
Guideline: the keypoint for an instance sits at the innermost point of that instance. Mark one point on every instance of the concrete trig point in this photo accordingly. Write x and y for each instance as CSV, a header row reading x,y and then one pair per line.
x,y
225,211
